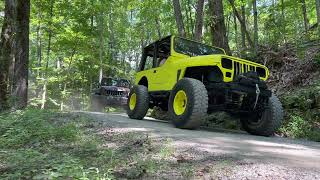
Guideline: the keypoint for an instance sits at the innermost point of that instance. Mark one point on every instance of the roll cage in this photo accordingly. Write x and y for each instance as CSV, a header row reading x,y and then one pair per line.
x,y
171,45
155,52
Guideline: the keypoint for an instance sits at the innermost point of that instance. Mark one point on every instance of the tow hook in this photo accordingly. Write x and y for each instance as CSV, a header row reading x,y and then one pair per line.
x,y
257,96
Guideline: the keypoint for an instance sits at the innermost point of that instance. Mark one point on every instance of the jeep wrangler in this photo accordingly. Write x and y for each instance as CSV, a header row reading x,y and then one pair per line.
x,y
111,92
189,80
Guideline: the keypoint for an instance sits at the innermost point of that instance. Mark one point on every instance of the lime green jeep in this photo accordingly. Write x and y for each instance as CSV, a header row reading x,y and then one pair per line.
x,y
189,80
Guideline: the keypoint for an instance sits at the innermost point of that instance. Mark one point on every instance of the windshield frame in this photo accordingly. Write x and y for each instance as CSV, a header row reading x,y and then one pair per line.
x,y
190,55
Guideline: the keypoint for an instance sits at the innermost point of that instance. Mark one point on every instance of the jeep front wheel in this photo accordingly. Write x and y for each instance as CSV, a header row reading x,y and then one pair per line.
x,y
138,102
268,122
188,104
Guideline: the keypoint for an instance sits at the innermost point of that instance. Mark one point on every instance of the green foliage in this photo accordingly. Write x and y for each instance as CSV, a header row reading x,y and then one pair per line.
x,y
37,144
317,59
302,113
28,129
47,145
167,149
297,127
1,10
91,34
304,99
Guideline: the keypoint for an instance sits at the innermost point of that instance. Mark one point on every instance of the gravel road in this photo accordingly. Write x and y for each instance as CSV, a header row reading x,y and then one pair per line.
x,y
223,154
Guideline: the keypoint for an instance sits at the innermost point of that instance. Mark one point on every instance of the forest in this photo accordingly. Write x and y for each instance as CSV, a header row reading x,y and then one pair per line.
x,y
53,53
72,43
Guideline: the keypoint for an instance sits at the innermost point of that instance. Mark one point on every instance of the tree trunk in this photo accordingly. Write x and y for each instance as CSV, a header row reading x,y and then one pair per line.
x,y
255,15
243,28
188,21
7,46
304,13
20,86
318,11
179,19
44,91
158,24
123,62
283,21
235,28
63,96
101,44
199,21
228,25
39,42
189,14
64,91
243,25
112,44
218,27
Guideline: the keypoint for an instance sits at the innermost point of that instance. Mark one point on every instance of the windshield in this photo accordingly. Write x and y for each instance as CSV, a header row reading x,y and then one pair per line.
x,y
109,82
192,48
114,82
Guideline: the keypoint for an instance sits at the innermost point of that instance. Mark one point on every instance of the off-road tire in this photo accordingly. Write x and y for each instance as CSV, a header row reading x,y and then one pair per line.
x,y
270,121
142,102
96,105
197,104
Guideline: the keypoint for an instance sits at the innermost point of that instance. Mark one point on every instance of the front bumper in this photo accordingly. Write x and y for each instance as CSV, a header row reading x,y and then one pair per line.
x,y
235,87
111,100
236,97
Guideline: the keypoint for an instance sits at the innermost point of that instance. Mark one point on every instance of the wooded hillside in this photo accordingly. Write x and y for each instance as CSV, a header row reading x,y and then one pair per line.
x,y
73,44
55,53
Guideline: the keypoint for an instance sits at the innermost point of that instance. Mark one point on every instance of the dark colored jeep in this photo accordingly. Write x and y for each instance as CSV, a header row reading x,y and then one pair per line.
x,y
111,92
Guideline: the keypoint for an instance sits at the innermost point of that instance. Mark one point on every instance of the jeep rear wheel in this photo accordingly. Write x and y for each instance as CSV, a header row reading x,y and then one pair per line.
x,y
269,121
188,104
138,102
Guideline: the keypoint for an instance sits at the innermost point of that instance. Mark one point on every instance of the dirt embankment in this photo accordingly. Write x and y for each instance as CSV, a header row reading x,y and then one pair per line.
x,y
291,66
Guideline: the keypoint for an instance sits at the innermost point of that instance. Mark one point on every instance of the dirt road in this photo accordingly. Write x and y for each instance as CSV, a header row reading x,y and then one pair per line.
x,y
244,156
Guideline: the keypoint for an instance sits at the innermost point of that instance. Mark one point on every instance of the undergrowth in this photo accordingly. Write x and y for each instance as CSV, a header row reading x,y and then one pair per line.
x,y
302,119
47,145
37,144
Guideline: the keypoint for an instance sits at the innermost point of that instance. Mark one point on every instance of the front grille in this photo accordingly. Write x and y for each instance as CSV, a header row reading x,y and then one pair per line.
x,y
242,68
236,66
115,93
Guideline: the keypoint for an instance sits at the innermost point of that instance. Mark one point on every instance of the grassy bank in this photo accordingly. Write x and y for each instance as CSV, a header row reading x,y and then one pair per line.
x,y
45,145
48,145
